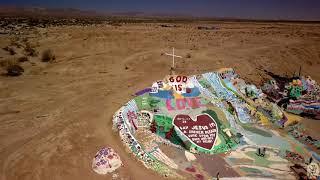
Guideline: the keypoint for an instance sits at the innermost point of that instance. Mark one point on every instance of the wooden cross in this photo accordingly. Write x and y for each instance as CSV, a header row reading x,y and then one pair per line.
x,y
173,56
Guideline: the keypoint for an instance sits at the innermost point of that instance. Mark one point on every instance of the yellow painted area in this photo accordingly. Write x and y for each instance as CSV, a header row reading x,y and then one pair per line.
x,y
218,141
251,108
291,119
220,114
249,101
263,119
177,96
222,70
166,87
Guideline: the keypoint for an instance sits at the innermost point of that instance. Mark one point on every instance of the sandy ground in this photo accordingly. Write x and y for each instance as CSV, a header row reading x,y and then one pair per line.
x,y
55,117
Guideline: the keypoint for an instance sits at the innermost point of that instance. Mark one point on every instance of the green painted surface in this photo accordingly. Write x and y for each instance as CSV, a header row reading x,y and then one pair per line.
x,y
164,121
256,130
258,160
251,170
299,149
295,91
146,102
226,143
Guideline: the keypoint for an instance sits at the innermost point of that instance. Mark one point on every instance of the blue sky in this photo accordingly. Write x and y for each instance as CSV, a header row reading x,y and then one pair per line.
x,y
255,9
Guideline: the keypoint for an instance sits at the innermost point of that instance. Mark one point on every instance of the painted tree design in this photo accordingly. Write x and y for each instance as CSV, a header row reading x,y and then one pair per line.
x,y
170,133
153,127
153,102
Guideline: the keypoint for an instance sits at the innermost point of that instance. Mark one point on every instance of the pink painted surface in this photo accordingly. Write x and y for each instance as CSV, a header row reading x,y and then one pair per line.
x,y
184,103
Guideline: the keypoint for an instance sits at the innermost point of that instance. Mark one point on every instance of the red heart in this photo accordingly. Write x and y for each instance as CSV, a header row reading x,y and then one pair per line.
x,y
202,132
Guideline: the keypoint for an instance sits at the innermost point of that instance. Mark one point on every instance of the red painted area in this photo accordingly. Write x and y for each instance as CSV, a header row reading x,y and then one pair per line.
x,y
178,79
202,131
178,82
199,177
191,169
132,116
184,103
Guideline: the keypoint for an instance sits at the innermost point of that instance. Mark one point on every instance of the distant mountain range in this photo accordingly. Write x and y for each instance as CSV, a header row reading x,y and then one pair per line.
x,y
71,12
45,12
15,11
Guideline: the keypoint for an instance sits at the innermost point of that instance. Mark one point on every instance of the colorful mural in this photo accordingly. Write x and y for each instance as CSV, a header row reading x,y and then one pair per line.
x,y
106,161
298,95
217,116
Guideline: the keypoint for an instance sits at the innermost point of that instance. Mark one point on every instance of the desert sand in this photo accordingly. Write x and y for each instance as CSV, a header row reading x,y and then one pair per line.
x,y
57,115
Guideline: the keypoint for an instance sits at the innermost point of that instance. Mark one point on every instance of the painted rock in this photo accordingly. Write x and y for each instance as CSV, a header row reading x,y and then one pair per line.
x,y
106,161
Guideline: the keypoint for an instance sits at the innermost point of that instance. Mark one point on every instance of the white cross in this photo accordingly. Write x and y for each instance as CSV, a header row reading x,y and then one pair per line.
x,y
173,56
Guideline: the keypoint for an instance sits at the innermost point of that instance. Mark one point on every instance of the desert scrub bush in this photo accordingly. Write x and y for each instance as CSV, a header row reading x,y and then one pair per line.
x,y
48,56
25,40
14,70
8,62
30,50
15,43
23,59
6,48
115,23
12,67
10,50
